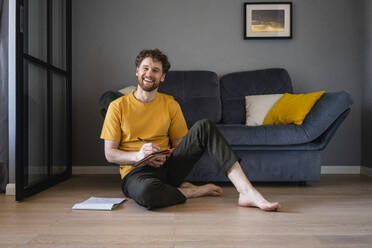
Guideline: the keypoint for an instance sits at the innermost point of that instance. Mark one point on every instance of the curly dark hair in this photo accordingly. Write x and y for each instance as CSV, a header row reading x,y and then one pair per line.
x,y
155,54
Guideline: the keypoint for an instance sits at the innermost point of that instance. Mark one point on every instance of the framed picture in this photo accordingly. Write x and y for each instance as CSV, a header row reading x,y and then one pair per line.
x,y
266,20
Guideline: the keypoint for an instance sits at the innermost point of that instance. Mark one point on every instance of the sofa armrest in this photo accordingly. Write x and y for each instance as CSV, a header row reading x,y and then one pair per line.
x,y
328,108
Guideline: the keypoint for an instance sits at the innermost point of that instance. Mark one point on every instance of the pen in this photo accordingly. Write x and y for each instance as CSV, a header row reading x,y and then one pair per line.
x,y
144,141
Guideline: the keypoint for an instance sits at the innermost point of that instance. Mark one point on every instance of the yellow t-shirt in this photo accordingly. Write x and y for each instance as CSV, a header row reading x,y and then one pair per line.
x,y
158,122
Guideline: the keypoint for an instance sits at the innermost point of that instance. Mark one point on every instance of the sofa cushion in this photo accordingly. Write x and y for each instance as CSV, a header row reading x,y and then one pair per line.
x,y
292,108
324,113
197,92
127,90
239,134
257,107
235,86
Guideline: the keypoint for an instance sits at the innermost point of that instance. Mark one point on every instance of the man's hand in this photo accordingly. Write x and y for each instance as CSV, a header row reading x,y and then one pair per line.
x,y
115,155
147,149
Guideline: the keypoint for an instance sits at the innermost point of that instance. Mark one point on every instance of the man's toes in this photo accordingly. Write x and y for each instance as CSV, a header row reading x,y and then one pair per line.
x,y
277,206
213,190
218,190
216,193
272,207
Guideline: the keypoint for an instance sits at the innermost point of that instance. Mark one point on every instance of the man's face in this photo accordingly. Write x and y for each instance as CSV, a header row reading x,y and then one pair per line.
x,y
150,74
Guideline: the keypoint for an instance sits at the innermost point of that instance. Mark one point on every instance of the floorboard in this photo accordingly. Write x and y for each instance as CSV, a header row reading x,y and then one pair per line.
x,y
334,212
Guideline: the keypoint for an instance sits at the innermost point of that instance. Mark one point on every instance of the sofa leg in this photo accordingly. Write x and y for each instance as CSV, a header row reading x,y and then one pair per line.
x,y
302,183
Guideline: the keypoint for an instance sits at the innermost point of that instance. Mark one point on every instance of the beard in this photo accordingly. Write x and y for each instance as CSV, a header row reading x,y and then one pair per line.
x,y
148,88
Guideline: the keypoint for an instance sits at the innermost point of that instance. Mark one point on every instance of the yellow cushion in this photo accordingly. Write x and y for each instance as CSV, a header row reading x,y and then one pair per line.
x,y
292,108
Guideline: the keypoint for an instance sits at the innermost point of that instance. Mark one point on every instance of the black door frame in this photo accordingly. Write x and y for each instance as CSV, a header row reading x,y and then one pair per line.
x,y
21,156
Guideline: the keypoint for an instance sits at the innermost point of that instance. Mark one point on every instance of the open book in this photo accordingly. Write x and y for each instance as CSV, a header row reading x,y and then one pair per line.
x,y
153,155
96,203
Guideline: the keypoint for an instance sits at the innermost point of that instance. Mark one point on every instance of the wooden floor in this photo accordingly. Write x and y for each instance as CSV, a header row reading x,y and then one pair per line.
x,y
335,212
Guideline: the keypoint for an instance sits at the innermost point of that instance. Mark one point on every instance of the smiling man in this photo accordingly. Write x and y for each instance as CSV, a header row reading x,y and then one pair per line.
x,y
158,121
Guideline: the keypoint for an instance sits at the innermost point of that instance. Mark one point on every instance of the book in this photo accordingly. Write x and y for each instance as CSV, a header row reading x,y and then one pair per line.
x,y
153,155
97,203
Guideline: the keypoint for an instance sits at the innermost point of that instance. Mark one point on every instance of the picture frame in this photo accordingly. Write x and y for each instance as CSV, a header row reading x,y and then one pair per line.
x,y
268,20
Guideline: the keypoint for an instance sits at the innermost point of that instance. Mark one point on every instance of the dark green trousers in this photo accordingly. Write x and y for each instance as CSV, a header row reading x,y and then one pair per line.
x,y
157,187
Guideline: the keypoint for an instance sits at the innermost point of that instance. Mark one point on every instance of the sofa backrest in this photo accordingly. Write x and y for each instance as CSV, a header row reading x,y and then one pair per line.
x,y
197,92
235,86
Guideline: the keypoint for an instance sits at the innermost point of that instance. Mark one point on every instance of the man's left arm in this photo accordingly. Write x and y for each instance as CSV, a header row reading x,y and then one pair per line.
x,y
178,128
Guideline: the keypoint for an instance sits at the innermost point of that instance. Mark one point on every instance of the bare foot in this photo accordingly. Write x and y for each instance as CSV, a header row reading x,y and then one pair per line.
x,y
190,190
210,189
186,185
254,199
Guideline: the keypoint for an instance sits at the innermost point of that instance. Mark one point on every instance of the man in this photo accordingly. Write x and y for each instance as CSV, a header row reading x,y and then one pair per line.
x,y
146,121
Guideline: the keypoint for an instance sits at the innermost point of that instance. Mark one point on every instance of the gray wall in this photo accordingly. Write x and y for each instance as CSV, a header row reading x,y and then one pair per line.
x,y
324,54
367,86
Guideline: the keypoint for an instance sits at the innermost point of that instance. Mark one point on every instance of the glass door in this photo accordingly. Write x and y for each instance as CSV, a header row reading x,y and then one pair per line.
x,y
43,98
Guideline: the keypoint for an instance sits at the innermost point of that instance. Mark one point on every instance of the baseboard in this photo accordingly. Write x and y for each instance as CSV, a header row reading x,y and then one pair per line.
x,y
326,169
366,171
342,169
10,189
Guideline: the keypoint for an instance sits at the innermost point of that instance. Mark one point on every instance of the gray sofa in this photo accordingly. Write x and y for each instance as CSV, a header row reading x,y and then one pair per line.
x,y
269,153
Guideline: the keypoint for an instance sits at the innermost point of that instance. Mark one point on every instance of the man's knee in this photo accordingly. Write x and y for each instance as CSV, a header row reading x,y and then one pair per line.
x,y
147,195
204,123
